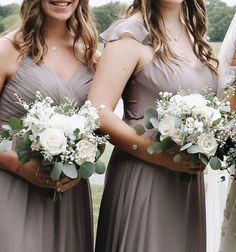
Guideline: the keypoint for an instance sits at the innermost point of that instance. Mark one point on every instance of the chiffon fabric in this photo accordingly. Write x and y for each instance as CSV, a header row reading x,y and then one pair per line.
x,y
29,220
147,207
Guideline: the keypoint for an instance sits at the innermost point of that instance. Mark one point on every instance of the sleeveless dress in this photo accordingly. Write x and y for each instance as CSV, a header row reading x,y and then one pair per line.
x,y
146,207
29,220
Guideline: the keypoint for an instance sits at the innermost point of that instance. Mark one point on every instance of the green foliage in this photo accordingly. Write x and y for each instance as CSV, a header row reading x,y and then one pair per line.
x,y
100,167
220,16
86,170
106,14
70,171
9,17
215,163
56,171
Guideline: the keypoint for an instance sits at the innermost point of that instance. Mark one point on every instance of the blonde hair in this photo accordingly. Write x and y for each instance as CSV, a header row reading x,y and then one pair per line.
x,y
29,38
195,20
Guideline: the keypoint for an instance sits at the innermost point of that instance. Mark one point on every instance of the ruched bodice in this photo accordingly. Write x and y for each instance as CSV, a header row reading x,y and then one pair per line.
x,y
30,78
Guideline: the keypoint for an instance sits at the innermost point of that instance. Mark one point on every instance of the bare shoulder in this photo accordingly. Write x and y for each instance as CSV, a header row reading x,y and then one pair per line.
x,y
8,56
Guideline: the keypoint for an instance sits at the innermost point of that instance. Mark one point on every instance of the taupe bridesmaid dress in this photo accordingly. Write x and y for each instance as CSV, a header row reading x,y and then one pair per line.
x,y
29,220
145,207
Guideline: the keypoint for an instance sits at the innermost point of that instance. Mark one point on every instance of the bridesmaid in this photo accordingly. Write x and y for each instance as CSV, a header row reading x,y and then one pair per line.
x,y
160,46
227,71
53,52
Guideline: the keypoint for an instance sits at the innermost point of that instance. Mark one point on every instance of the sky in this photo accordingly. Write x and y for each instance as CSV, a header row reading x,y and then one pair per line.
x,y
100,2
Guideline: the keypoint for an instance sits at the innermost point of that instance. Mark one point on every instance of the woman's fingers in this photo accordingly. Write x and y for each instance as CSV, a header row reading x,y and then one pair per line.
x,y
70,184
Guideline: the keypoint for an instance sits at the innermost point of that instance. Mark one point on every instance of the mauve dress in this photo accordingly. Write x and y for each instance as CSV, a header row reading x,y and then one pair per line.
x,y
29,220
146,207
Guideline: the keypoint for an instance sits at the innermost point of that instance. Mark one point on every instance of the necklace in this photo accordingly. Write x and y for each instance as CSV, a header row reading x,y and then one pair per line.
x,y
174,38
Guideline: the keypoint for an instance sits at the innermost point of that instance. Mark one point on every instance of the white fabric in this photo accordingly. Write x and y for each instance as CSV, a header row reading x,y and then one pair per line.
x,y
225,56
217,192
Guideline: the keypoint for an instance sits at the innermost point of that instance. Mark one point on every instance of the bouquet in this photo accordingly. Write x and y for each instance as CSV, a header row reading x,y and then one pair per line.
x,y
198,124
63,137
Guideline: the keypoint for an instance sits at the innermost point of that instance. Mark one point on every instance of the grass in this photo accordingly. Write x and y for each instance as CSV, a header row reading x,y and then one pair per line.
x,y
98,189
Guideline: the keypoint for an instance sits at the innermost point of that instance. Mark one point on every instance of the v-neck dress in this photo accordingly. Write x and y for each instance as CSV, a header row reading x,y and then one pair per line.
x,y
146,207
29,220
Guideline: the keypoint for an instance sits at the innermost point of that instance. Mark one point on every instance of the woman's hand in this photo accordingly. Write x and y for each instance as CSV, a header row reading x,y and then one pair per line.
x,y
184,165
34,173
38,175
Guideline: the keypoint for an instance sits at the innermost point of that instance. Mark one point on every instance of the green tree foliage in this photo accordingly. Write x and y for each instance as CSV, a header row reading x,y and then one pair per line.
x,y
106,14
220,16
9,17
7,10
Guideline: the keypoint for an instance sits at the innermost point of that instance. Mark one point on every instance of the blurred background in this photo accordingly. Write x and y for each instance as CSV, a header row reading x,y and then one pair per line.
x,y
104,12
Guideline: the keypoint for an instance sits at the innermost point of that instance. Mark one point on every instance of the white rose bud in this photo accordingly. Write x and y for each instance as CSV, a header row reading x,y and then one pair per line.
x,y
207,144
194,100
53,141
85,152
167,126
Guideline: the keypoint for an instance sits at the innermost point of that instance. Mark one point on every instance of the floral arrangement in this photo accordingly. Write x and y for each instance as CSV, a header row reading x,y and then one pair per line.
x,y
198,124
63,137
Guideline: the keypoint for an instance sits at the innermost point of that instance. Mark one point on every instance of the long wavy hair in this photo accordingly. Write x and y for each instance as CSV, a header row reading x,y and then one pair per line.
x,y
29,38
195,19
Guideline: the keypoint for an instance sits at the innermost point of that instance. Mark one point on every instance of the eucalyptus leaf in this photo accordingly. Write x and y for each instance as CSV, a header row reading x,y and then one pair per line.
x,y
140,130
150,113
56,171
177,158
150,149
215,163
15,123
154,121
193,149
166,143
22,154
5,145
100,167
24,159
70,171
86,170
204,159
186,146
26,139
21,146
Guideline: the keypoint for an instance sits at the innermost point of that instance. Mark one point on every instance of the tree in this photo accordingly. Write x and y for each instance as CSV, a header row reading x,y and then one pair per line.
x,y
1,28
9,9
220,16
106,14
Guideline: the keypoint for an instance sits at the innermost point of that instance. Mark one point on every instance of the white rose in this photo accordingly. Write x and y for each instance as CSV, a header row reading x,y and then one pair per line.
x,y
85,152
207,144
194,100
53,141
77,122
167,126
177,136
209,113
67,124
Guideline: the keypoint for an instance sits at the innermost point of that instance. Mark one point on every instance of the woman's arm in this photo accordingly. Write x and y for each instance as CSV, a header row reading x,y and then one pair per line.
x,y
118,62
